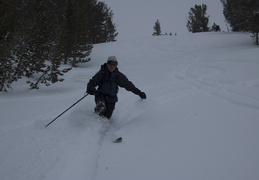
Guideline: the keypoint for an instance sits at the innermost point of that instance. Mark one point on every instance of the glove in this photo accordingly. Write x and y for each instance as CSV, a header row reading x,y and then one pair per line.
x,y
142,95
91,90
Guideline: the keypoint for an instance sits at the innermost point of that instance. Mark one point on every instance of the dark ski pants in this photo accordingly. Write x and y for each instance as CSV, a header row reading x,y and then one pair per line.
x,y
110,106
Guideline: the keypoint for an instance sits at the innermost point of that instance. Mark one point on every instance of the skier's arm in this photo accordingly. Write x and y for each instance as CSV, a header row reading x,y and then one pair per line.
x,y
129,86
93,83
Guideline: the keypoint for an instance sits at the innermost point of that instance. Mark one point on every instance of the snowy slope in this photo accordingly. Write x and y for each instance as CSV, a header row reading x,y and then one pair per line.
x,y
200,120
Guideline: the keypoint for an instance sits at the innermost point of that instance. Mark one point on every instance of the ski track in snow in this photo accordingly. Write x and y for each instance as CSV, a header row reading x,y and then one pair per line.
x,y
201,77
200,119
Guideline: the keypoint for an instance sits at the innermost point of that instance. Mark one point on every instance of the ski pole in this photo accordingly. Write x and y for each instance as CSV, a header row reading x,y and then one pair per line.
x,y
66,110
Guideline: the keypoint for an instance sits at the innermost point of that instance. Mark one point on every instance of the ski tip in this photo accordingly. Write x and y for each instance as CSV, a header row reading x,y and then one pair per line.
x,y
118,140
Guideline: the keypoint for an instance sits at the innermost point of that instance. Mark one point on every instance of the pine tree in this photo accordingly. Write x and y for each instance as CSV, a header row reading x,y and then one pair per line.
x,y
111,33
242,15
101,27
25,23
43,42
109,29
7,42
76,34
198,21
157,28
36,37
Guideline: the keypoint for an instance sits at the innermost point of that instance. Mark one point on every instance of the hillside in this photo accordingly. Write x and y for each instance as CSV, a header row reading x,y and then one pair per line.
x,y
199,122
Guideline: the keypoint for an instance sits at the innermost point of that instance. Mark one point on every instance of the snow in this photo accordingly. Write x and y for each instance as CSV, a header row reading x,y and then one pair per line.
x,y
200,119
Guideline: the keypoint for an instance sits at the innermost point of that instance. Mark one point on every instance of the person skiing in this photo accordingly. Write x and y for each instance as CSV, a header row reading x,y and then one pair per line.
x,y
107,80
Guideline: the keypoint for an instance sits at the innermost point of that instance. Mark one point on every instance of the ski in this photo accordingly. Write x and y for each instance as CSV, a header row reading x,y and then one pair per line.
x,y
118,140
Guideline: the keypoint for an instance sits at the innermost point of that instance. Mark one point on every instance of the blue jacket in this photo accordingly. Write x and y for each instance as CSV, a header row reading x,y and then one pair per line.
x,y
108,83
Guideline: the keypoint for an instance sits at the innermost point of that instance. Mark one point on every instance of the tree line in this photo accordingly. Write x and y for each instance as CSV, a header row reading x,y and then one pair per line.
x,y
242,15
197,21
37,37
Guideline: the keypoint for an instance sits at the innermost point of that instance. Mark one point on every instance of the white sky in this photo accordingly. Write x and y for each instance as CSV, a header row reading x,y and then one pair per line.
x,y
136,18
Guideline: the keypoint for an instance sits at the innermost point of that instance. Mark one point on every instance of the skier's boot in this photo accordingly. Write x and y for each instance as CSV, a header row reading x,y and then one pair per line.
x,y
100,108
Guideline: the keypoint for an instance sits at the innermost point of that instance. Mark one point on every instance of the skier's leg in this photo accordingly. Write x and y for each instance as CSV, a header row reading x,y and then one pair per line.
x,y
100,107
110,106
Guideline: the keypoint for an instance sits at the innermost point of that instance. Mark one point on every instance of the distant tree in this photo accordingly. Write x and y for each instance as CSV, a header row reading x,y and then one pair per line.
x,y
198,21
215,27
157,29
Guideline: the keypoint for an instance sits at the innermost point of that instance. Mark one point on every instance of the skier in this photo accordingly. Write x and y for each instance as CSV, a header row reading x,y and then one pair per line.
x,y
107,80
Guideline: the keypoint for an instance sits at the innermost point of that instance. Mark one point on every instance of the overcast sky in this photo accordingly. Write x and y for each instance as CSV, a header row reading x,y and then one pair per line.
x,y
136,18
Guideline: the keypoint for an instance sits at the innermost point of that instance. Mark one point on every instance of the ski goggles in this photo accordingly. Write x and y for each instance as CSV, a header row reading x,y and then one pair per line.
x,y
112,63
